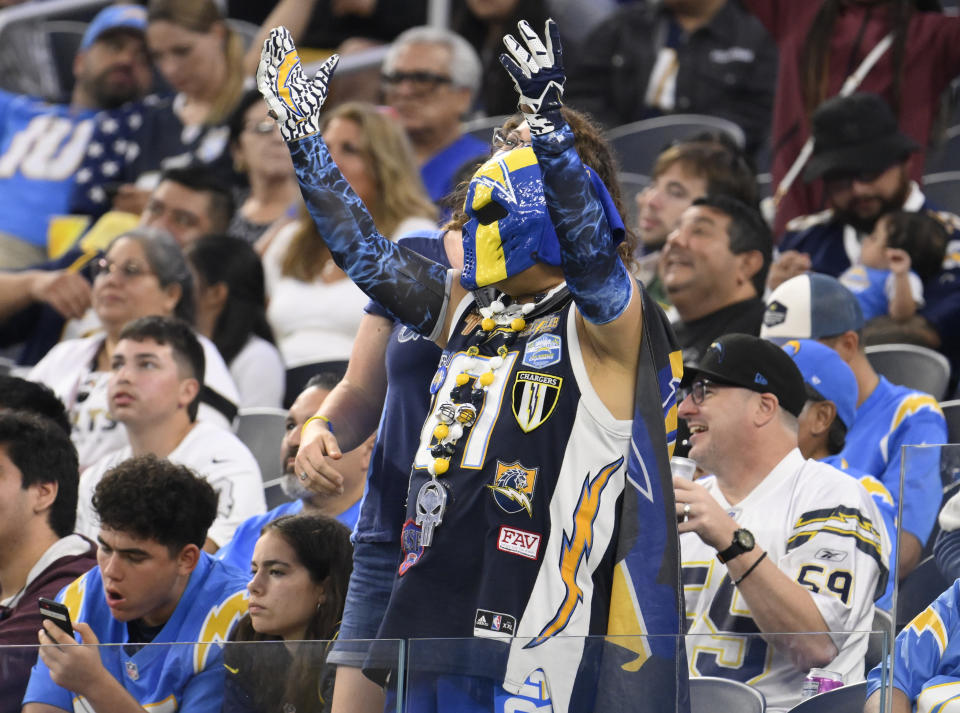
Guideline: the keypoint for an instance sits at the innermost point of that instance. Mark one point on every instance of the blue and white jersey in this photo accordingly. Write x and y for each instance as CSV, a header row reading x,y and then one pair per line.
x,y
891,417
874,289
163,679
926,664
41,147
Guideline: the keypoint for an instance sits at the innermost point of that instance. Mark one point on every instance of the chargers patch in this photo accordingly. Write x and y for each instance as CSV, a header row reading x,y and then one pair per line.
x,y
518,542
513,487
493,625
534,398
543,351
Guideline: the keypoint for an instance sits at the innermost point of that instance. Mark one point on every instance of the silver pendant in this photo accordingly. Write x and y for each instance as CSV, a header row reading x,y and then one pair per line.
x,y
431,502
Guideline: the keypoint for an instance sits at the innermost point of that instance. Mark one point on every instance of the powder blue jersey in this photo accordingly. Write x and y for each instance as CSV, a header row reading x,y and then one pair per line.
x,y
891,417
163,679
41,147
927,657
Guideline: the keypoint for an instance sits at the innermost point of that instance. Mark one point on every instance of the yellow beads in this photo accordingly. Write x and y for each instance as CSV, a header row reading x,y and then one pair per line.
x,y
517,324
441,465
462,378
487,325
486,378
441,431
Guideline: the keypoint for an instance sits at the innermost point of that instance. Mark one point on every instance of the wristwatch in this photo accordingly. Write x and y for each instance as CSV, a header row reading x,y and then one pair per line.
x,y
742,542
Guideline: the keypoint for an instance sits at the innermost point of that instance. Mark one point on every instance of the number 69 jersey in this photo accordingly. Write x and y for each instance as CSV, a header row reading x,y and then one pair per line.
x,y
822,529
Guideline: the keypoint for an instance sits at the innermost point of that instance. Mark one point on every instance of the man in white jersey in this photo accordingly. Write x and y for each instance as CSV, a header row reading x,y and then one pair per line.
x,y
153,390
771,543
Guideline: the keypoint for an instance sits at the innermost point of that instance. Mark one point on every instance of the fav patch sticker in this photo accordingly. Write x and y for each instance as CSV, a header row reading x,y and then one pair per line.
x,y
513,487
518,542
543,351
534,398
493,625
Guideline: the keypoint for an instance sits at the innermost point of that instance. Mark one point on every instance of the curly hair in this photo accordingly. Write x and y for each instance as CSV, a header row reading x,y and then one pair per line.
x,y
594,151
154,499
322,546
43,453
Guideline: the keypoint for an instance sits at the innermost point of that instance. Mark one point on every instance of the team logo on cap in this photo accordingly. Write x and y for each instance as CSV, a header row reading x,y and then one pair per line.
x,y
716,348
775,314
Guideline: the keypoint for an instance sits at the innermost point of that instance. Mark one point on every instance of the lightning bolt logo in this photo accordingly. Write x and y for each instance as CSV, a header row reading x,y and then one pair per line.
x,y
284,74
522,499
217,626
575,549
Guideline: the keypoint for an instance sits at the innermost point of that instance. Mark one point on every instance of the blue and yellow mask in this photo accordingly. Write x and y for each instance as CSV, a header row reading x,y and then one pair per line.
x,y
509,227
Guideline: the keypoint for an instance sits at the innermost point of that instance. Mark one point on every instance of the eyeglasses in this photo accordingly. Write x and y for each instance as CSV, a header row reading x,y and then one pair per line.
x,y
420,82
503,141
844,181
700,389
262,128
128,270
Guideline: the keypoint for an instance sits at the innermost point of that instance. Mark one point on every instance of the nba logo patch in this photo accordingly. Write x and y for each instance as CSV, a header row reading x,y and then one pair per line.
x,y
543,351
513,487
534,398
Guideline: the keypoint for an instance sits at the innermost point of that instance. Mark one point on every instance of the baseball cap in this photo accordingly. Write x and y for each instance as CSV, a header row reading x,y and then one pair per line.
x,y
855,133
752,363
827,374
132,17
811,306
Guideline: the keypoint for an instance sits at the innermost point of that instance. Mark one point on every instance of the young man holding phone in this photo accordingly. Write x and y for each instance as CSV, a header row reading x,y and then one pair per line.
x,y
153,585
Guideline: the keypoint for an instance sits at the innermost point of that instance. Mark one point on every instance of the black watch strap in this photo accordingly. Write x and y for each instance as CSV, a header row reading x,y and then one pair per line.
x,y
743,541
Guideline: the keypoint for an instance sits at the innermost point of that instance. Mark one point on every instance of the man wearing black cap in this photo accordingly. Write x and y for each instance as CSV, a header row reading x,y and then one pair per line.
x,y
800,545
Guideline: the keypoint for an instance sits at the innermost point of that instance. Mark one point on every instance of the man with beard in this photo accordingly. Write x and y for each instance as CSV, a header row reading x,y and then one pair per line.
x,y
42,144
344,506
864,160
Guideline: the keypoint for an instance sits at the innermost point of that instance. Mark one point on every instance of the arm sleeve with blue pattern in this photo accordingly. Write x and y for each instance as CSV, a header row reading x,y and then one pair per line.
x,y
414,289
597,278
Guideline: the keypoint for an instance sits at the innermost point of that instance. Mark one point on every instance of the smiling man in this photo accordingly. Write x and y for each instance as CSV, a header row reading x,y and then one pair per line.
x,y
153,584
154,391
713,267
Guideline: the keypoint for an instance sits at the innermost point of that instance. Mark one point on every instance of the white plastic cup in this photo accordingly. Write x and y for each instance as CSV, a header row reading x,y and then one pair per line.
x,y
683,467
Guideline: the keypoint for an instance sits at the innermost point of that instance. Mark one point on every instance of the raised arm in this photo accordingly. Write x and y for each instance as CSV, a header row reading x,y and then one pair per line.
x,y
412,288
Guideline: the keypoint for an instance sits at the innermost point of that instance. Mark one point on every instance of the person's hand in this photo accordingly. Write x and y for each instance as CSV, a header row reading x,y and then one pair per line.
x,y
704,514
537,75
73,667
318,448
67,292
294,100
899,260
790,264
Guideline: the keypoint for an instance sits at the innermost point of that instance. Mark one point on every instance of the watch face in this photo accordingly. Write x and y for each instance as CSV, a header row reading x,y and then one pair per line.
x,y
745,539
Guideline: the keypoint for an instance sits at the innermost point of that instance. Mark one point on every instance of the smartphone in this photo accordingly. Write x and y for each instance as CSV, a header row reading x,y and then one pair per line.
x,y
57,613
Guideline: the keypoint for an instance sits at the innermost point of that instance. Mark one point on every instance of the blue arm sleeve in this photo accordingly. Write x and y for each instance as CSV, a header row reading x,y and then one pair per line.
x,y
413,288
597,278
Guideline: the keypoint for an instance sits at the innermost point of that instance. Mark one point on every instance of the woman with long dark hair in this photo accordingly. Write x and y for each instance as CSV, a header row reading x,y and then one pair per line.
x,y
300,568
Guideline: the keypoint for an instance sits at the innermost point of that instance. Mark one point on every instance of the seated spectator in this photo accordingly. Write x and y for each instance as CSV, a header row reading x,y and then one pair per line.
x,y
153,584
231,311
946,548
687,170
300,569
187,203
903,251
200,57
343,506
714,266
823,424
263,162
888,416
156,377
864,160
142,273
686,57
765,513
925,670
430,76
314,309
39,554
41,144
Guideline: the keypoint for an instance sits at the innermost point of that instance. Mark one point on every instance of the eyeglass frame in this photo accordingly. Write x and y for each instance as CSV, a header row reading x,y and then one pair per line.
x,y
501,140
261,128
103,266
423,82
697,391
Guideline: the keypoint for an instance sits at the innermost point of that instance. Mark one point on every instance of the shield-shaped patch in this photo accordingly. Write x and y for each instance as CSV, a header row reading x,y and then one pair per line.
x,y
513,487
535,396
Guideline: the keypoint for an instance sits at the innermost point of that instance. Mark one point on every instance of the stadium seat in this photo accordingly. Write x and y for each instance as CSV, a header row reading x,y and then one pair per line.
x,y
261,430
918,590
882,621
483,127
846,699
912,366
630,185
945,156
951,412
709,694
638,144
943,189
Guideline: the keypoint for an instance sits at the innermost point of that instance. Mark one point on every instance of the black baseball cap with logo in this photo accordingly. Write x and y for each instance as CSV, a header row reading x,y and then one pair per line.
x,y
751,363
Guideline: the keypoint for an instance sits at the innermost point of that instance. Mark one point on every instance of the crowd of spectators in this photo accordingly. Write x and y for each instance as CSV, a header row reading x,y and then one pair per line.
x,y
196,280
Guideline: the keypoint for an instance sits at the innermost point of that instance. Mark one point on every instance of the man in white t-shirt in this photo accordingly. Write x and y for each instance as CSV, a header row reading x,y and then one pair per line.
x,y
771,543
153,390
